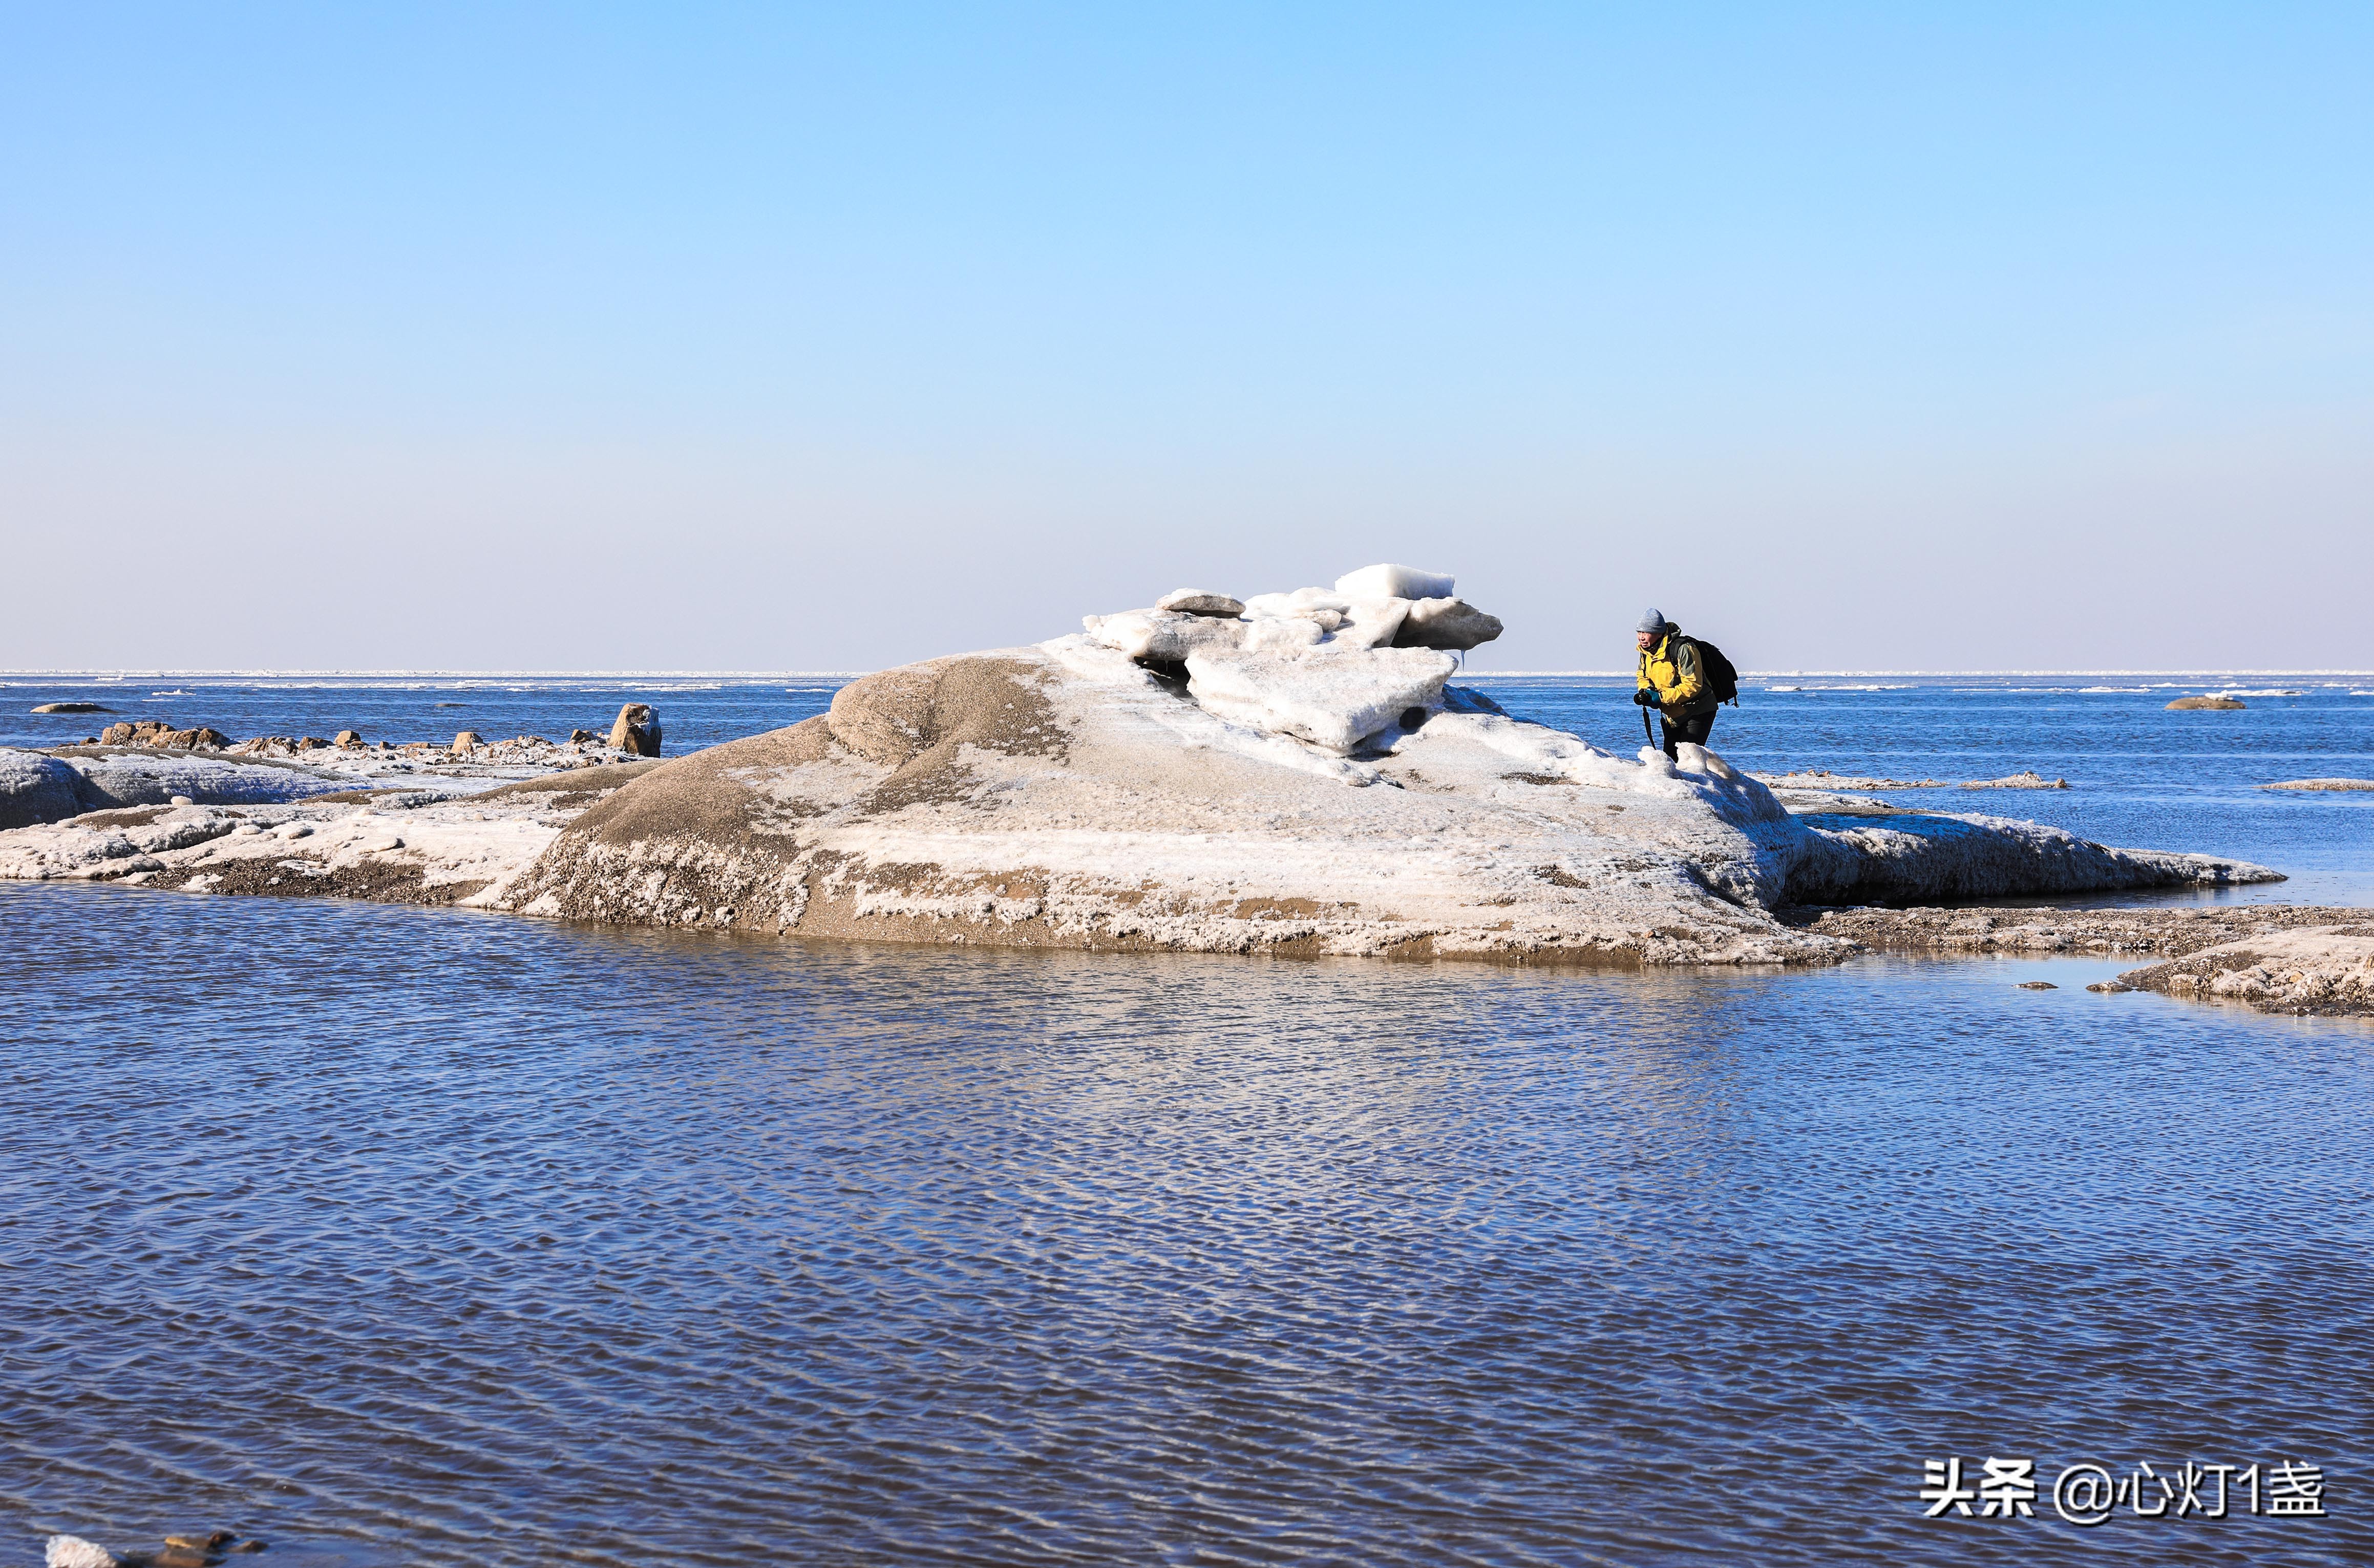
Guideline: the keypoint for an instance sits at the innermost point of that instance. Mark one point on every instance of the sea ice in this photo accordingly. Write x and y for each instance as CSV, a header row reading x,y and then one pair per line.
x,y
1331,699
1163,636
1395,582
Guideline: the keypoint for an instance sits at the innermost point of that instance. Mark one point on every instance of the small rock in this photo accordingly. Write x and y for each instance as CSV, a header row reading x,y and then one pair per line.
x,y
1186,600
250,1544
579,737
468,741
2109,988
181,800
637,729
70,708
2037,986
214,1540
347,738
2184,702
181,1557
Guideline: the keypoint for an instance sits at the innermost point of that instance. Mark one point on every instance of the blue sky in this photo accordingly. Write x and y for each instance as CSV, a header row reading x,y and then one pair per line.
x,y
702,336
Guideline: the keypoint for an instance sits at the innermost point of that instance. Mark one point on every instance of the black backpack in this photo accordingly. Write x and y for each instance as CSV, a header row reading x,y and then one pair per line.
x,y
1722,675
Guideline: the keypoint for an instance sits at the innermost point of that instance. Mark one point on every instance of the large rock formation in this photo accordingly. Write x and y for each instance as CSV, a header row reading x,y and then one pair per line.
x,y
1300,779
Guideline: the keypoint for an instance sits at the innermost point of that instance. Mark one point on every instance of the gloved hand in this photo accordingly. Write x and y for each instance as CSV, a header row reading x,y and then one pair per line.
x,y
1645,698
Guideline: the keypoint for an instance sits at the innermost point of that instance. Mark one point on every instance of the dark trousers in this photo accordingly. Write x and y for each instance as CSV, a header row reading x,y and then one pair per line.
x,y
1694,728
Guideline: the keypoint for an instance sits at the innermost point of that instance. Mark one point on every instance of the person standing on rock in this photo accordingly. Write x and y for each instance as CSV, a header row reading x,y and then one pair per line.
x,y
1673,679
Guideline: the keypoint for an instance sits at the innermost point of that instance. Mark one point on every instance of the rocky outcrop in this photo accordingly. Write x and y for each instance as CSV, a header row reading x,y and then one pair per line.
x,y
1320,795
2322,785
637,730
70,708
2325,969
2189,704
2028,779
2168,929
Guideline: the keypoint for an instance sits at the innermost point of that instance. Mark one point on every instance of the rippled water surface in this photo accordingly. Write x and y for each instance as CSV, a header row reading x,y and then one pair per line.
x,y
404,1236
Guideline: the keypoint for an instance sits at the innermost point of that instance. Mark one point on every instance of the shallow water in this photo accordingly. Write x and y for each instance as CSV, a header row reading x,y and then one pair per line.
x,y
2141,776
402,1235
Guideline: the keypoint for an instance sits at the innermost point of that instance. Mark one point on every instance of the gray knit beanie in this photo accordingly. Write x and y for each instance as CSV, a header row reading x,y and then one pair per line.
x,y
1652,622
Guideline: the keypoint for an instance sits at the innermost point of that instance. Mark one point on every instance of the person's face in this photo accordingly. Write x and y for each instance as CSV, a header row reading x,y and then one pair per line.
x,y
1645,641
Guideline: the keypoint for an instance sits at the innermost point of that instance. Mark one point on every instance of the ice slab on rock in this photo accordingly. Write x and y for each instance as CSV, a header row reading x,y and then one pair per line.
x,y
1167,635
1200,602
1369,623
1446,622
1385,581
1300,601
1331,699
1283,634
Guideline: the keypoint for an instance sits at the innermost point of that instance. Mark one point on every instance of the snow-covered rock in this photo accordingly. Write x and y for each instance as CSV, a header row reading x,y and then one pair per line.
x,y
1452,623
1164,637
1395,582
1200,602
142,778
1063,796
1332,699
1315,785
34,787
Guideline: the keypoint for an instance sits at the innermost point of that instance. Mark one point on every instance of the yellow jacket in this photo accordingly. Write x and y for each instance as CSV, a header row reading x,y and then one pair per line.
x,y
1673,670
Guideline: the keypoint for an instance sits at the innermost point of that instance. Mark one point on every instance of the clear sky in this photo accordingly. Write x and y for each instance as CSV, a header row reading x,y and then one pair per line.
x,y
698,337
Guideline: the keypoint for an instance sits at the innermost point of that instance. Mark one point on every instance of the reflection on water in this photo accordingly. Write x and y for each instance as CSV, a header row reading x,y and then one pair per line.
x,y
402,1235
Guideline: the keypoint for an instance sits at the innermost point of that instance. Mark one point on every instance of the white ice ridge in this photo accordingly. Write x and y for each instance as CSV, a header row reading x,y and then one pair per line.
x,y
1332,667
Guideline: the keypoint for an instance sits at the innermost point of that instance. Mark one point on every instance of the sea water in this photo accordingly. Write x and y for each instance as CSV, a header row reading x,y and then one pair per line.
x,y
402,1235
